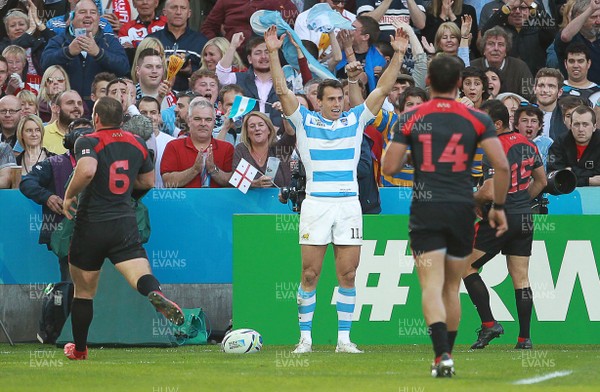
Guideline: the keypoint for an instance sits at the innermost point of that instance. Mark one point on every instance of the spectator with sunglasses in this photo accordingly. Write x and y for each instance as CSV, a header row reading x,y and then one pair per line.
x,y
54,82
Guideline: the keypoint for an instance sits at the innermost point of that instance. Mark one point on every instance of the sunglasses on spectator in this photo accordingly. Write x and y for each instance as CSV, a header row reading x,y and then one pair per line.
x,y
59,79
188,93
525,103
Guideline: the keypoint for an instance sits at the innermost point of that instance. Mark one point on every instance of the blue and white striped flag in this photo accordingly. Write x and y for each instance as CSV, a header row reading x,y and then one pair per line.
x,y
241,106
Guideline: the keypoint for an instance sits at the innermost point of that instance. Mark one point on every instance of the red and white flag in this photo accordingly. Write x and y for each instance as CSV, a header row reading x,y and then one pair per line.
x,y
243,175
121,9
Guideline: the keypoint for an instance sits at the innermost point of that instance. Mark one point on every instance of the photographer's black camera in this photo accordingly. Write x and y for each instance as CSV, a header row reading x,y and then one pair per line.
x,y
560,182
296,192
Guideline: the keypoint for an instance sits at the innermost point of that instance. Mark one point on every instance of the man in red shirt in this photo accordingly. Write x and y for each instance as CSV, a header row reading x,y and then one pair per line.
x,y
198,160
147,22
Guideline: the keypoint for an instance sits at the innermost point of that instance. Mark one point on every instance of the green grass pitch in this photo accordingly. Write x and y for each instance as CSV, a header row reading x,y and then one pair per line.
x,y
36,367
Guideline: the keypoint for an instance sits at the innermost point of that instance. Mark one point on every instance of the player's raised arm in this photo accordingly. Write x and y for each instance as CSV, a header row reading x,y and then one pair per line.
x,y
386,81
289,102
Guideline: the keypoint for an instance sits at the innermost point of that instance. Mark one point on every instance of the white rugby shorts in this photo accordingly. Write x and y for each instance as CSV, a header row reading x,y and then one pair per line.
x,y
326,220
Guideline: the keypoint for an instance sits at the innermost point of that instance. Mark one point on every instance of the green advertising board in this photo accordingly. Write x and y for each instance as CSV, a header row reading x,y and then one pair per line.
x,y
266,274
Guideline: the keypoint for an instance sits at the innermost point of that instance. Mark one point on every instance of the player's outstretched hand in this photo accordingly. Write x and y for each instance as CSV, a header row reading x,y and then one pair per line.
x,y
497,219
271,40
70,207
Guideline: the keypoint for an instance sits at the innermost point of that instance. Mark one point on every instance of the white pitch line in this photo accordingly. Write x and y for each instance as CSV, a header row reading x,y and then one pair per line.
x,y
535,380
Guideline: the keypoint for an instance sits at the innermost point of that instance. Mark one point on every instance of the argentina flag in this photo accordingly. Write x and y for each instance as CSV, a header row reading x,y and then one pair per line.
x,y
241,106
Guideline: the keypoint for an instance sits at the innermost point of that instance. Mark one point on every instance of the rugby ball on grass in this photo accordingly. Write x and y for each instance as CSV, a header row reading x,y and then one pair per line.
x,y
242,341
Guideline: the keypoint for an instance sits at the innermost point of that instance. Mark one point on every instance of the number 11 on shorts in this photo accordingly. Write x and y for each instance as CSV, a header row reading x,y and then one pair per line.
x,y
356,233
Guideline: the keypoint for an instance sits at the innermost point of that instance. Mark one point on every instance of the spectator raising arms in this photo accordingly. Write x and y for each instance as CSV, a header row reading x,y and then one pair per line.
x,y
21,30
213,52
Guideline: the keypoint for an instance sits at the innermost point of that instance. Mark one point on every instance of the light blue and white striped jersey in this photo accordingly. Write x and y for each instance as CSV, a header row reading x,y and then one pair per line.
x,y
330,150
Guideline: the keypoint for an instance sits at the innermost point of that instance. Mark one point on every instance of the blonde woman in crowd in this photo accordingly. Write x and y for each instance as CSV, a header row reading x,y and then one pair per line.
x,y
54,82
30,134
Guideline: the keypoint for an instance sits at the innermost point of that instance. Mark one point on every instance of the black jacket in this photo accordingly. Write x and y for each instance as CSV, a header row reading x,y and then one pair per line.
x,y
563,153
45,179
368,192
246,81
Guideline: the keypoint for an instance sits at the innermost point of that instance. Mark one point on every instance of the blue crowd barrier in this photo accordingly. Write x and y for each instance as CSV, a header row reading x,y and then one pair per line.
x,y
191,230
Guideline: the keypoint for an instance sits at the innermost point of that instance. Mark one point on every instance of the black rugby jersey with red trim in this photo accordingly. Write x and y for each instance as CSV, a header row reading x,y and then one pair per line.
x,y
523,157
121,157
443,135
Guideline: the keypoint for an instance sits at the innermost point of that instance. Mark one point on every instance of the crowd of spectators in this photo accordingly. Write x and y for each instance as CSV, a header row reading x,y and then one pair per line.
x,y
541,58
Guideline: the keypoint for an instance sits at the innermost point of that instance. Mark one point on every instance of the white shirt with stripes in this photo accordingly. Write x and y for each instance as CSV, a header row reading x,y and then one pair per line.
x,y
330,150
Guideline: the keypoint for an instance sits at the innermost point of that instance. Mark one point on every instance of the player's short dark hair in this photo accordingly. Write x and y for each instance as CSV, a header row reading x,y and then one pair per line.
x,y
147,98
529,110
497,111
583,109
410,92
228,88
110,111
578,47
328,83
369,26
444,73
